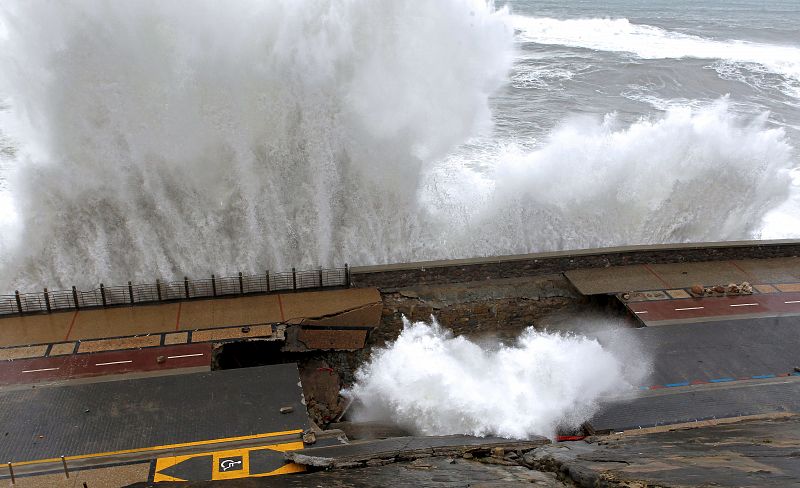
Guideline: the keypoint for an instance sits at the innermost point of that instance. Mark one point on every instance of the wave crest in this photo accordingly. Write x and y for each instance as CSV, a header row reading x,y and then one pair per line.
x,y
650,42
693,175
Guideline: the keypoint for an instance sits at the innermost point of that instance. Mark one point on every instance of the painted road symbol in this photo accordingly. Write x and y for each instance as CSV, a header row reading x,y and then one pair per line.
x,y
230,464
258,461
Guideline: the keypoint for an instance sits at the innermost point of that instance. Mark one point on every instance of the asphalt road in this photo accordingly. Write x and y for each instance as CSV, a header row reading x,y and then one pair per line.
x,y
100,417
709,370
713,350
690,404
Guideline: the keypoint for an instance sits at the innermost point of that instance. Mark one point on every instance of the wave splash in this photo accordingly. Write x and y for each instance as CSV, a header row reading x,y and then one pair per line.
x,y
693,175
169,139
436,384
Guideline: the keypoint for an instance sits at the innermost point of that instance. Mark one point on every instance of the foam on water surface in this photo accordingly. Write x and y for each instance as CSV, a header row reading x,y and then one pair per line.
x,y
650,42
435,383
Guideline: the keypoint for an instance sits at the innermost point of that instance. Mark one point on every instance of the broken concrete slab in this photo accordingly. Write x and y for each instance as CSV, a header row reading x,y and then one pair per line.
x,y
385,451
366,316
752,453
300,339
370,430
439,472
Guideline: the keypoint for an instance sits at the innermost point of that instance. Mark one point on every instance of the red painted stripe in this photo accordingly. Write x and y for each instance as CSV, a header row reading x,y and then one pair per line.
x,y
85,365
562,438
69,331
656,387
768,304
280,305
178,319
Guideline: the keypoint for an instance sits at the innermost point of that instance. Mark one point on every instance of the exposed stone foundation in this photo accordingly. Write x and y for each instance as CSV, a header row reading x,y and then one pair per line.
x,y
493,309
497,308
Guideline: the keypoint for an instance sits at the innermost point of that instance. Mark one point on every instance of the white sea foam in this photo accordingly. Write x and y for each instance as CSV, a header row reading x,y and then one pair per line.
x,y
436,384
702,175
761,79
541,77
650,42
168,139
648,94
163,138
783,222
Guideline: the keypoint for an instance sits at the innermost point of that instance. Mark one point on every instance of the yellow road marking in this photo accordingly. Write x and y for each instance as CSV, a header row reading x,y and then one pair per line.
x,y
161,448
288,468
217,456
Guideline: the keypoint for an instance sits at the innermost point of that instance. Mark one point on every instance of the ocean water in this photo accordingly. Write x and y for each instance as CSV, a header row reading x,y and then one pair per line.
x,y
582,61
637,58
163,139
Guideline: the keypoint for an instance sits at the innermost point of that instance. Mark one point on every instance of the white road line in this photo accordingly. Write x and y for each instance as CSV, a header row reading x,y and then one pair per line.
x,y
688,308
186,356
37,370
793,301
115,362
743,305
641,312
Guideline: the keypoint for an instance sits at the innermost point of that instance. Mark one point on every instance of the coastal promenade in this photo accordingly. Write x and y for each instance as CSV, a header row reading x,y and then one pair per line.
x,y
159,392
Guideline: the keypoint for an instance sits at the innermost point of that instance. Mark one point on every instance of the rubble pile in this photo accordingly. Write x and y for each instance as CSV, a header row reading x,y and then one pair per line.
x,y
743,288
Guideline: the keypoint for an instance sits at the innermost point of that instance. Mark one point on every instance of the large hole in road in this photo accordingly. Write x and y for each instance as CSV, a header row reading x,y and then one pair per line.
x,y
322,373
247,354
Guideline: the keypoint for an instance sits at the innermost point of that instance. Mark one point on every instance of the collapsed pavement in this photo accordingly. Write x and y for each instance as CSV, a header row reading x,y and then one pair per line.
x,y
754,452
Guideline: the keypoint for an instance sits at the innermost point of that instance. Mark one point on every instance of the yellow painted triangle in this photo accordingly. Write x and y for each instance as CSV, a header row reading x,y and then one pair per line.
x,y
168,462
288,468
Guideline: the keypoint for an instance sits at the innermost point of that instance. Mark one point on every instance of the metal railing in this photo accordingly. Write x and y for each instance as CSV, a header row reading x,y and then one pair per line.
x,y
163,291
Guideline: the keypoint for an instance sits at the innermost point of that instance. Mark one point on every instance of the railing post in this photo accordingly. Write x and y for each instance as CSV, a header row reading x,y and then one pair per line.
x,y
158,289
103,294
19,301
294,279
347,275
47,300
75,298
130,291
11,473
64,462
241,284
213,286
320,276
186,285
268,290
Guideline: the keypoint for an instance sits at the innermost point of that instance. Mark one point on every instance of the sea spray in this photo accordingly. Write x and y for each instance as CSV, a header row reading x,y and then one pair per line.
x,y
435,383
168,139
702,174
191,137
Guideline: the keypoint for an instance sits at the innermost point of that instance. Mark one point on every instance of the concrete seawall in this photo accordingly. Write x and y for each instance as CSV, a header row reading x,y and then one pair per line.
x,y
499,267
